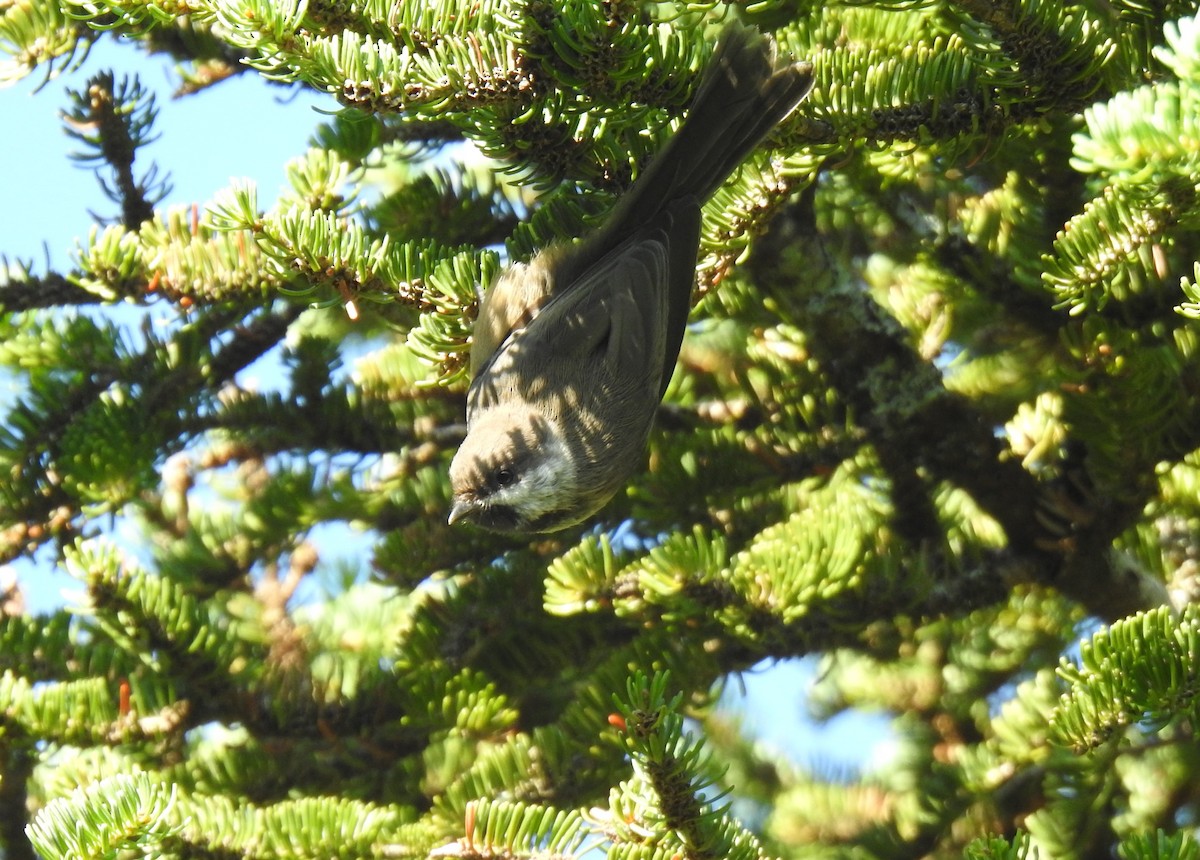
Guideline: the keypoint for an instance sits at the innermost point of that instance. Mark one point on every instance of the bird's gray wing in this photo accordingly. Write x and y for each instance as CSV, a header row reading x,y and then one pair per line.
x,y
616,312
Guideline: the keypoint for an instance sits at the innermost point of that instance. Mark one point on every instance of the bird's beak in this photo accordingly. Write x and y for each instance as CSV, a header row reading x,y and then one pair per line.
x,y
464,509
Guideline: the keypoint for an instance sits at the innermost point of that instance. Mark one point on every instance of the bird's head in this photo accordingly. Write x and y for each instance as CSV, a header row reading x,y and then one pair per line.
x,y
515,473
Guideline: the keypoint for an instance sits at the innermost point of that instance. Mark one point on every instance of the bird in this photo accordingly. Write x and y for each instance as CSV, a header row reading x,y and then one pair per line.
x,y
572,352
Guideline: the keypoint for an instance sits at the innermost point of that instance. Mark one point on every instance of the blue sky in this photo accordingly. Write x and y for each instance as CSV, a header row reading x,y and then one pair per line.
x,y
50,201
47,206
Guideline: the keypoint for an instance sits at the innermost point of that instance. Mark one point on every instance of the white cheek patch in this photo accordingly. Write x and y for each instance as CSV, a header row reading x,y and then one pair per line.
x,y
547,487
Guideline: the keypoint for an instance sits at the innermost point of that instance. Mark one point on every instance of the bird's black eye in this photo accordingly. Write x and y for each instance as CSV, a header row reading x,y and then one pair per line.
x,y
504,477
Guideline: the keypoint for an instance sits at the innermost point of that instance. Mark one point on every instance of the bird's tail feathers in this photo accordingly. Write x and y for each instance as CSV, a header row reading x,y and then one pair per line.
x,y
742,96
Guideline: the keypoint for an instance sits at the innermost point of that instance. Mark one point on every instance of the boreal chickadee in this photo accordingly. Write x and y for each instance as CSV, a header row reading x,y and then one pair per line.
x,y
572,352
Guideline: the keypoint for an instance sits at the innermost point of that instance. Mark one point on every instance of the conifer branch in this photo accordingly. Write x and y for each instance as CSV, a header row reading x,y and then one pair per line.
x,y
1055,73
42,291
903,406
114,121
48,508
993,280
17,761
